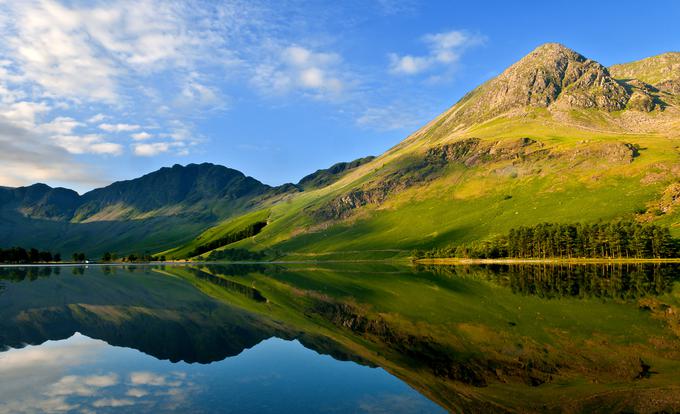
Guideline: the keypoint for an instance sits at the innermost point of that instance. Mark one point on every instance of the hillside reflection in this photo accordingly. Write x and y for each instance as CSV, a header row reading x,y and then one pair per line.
x,y
609,281
474,338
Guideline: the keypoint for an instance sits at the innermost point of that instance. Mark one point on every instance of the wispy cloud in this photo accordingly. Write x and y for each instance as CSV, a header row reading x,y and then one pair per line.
x,y
443,51
298,68
81,82
155,148
391,117
119,127
141,136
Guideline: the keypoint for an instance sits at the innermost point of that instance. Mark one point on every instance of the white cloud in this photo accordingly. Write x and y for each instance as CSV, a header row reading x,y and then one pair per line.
x,y
147,378
112,402
444,50
151,149
393,117
136,393
30,151
85,386
409,65
87,144
82,51
303,69
60,125
141,136
97,118
23,114
119,127
48,43
80,56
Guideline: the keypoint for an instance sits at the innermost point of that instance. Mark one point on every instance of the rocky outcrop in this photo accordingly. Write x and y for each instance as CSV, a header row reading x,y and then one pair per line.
x,y
608,152
469,152
322,178
472,151
443,360
671,86
667,203
550,75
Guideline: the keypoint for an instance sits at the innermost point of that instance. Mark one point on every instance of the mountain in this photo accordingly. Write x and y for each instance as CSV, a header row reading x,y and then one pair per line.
x,y
555,137
152,212
41,200
322,178
662,71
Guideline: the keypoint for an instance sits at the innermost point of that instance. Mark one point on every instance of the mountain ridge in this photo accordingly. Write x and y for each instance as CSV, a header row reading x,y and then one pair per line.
x,y
553,131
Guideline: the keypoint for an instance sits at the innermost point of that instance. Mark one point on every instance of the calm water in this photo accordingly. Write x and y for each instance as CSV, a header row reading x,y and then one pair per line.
x,y
351,338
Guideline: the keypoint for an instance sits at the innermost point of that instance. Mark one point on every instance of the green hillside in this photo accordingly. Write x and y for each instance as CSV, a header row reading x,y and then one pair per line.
x,y
154,212
554,138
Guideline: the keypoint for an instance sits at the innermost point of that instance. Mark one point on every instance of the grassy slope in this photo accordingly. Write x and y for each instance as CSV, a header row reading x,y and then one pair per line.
x,y
224,228
651,70
472,203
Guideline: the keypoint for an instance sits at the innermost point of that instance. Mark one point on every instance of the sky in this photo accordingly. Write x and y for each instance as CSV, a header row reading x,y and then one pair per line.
x,y
97,91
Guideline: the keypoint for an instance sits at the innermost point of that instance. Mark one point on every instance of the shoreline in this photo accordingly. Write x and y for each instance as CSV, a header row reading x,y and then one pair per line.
x,y
579,261
190,263
452,261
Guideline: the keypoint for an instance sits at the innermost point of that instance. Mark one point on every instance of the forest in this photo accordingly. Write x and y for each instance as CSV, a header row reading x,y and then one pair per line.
x,y
20,255
620,239
248,231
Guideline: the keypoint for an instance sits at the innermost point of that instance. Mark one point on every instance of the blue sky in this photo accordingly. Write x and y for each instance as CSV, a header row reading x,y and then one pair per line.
x,y
92,92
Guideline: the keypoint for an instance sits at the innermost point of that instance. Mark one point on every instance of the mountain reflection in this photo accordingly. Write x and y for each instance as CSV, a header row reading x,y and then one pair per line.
x,y
472,338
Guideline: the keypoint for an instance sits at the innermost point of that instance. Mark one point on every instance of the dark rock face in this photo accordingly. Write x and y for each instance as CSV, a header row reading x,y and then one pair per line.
x,y
469,152
322,178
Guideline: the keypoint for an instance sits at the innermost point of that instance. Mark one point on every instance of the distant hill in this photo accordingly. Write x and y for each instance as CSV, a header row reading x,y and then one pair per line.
x,y
154,211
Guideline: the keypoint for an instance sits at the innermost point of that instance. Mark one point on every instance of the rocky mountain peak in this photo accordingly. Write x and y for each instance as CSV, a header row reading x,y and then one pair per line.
x,y
552,74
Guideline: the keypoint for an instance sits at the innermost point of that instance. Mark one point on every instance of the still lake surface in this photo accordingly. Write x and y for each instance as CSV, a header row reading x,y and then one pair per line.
x,y
350,338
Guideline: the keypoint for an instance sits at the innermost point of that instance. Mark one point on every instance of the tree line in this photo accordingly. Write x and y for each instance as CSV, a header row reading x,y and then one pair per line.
x,y
235,255
248,231
109,257
619,239
20,255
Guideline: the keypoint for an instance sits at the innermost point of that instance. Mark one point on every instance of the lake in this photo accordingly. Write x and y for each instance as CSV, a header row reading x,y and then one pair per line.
x,y
341,338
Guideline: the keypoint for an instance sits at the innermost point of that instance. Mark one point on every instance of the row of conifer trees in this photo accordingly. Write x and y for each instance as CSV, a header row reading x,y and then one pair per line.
x,y
620,239
21,255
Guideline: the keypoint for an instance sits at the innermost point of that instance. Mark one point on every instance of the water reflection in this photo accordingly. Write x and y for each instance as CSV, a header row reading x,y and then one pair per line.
x,y
609,281
473,339
81,374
